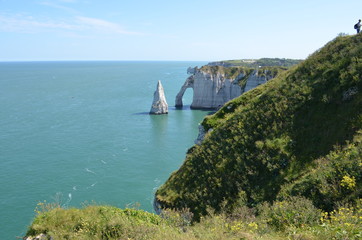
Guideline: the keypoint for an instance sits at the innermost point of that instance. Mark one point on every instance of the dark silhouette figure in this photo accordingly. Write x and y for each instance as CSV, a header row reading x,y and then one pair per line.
x,y
357,26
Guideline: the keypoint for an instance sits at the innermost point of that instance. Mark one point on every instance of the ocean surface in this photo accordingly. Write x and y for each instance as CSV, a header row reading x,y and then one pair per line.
x,y
75,133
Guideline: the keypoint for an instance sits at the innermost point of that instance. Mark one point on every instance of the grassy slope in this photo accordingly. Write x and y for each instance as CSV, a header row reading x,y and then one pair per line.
x,y
292,218
107,222
99,222
272,136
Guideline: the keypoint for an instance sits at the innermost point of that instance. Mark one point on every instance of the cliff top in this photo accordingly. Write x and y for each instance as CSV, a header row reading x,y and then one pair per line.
x,y
253,63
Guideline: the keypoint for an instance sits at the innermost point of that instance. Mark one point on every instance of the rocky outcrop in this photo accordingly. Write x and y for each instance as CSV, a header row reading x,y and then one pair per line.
x,y
257,78
348,94
213,86
191,70
39,237
201,135
159,104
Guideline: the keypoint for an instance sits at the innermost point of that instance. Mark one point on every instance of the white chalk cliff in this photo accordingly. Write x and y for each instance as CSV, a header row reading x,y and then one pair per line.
x,y
213,86
159,104
256,79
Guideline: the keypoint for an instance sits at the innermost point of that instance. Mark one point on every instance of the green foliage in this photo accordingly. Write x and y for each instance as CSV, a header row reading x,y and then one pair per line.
x,y
292,218
99,222
294,212
335,178
274,136
253,63
343,223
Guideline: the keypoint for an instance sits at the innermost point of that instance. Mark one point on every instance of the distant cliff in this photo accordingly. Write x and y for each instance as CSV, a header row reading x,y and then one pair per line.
x,y
254,63
215,85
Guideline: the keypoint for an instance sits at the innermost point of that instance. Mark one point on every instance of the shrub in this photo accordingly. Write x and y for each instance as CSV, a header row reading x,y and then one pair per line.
x,y
292,212
344,222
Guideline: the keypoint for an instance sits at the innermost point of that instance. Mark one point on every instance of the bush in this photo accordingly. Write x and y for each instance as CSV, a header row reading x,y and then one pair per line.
x,y
343,223
292,212
100,222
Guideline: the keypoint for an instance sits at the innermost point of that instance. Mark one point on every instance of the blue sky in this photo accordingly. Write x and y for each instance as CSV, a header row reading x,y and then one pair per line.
x,y
206,30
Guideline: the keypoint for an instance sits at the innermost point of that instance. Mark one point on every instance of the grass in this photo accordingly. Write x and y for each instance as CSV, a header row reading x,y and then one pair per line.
x,y
293,218
264,62
100,222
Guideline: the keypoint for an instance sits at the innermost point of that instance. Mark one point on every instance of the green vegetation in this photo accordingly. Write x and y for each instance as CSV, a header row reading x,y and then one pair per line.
x,y
293,218
228,72
98,222
253,63
283,161
336,178
274,137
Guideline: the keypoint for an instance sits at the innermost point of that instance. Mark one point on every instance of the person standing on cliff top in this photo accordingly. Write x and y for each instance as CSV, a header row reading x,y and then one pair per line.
x,y
357,26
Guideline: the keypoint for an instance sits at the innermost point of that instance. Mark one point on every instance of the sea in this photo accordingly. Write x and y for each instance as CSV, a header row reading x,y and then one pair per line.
x,y
76,133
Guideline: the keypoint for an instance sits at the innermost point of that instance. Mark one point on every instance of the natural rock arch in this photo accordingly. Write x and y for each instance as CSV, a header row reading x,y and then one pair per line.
x,y
189,83
210,89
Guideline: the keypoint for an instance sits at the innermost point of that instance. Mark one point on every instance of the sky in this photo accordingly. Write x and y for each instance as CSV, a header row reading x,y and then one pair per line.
x,y
170,30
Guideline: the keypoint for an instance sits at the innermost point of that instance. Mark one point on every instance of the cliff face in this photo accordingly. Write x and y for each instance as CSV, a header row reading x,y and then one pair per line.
x,y
213,86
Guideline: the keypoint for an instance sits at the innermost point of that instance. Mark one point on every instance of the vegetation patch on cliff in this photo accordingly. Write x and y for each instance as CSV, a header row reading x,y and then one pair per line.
x,y
98,222
228,72
262,62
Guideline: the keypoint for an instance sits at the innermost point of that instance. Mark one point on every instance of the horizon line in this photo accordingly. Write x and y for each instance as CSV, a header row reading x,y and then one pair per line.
x,y
154,60
103,60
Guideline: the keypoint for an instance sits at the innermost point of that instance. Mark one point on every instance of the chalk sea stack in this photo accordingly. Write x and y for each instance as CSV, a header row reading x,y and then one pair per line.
x,y
159,104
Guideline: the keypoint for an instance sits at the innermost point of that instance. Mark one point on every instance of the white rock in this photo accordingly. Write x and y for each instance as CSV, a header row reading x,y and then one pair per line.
x,y
41,236
210,90
213,90
254,80
159,104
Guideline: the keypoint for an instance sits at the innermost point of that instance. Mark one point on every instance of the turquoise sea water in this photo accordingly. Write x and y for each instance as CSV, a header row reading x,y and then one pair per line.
x,y
77,132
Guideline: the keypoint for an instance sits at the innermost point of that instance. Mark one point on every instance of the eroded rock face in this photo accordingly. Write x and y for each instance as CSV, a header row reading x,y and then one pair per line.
x,y
159,104
201,135
255,80
212,89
